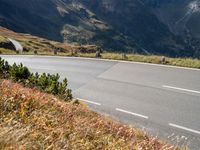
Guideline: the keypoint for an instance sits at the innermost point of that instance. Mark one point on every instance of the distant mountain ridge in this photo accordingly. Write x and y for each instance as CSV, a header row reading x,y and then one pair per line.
x,y
142,26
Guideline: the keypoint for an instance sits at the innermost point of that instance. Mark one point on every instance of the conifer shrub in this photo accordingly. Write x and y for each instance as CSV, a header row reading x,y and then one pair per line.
x,y
45,82
4,68
18,72
35,52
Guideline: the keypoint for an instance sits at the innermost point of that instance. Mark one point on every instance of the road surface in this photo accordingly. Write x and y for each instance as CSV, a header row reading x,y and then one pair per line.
x,y
162,100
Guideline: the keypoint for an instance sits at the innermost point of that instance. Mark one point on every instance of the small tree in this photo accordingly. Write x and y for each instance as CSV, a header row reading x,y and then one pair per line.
x,y
4,68
19,72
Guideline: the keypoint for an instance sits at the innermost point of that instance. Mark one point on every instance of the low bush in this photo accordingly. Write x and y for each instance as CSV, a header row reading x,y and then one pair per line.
x,y
45,82
35,52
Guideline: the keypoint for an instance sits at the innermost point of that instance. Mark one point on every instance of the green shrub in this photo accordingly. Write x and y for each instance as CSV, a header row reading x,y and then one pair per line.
x,y
19,72
4,68
45,82
35,52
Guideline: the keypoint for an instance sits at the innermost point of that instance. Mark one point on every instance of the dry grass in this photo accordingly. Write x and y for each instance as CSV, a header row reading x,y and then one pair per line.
x,y
182,62
33,43
2,39
34,120
7,51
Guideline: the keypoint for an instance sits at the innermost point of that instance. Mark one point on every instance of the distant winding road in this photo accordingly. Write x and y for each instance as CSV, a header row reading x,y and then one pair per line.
x,y
17,45
162,100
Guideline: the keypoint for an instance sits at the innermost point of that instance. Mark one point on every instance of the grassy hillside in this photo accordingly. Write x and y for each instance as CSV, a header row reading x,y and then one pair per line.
x,y
32,43
34,120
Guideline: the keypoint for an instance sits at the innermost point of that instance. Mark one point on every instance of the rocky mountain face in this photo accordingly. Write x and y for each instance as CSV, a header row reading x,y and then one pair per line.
x,y
145,26
182,18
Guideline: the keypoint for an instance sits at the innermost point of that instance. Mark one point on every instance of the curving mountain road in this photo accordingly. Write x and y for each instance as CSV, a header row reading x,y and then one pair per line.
x,y
162,100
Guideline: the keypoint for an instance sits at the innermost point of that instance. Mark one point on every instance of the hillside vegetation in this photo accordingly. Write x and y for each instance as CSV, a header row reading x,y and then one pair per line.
x,y
32,43
31,119
44,82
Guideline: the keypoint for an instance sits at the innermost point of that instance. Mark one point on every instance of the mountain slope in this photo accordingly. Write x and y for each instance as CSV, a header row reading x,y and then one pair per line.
x,y
128,25
181,16
133,19
38,17
33,43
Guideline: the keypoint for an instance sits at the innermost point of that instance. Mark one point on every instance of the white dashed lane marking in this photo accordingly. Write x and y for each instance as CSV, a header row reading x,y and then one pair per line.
x,y
181,89
131,113
87,101
184,128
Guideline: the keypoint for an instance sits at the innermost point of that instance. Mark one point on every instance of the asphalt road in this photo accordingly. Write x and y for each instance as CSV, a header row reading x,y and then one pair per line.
x,y
162,100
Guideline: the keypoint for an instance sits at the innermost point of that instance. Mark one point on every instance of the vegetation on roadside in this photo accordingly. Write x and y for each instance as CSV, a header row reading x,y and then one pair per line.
x,y
7,51
45,82
31,119
182,62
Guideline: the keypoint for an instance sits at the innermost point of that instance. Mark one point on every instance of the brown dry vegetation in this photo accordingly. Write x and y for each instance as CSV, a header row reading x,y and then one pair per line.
x,y
34,120
32,43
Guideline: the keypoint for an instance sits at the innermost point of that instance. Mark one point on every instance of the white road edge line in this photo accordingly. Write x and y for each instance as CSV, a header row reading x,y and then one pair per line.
x,y
135,114
112,60
43,68
184,128
181,89
91,102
